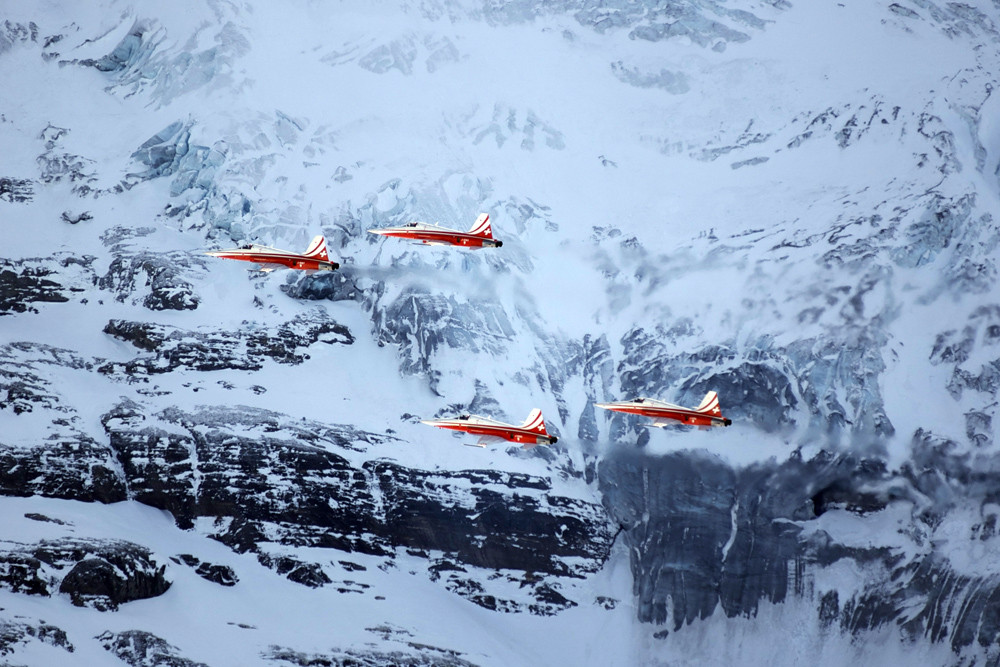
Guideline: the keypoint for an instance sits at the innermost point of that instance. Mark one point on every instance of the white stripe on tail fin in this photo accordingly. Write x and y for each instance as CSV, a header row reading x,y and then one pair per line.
x,y
710,405
482,226
317,249
535,422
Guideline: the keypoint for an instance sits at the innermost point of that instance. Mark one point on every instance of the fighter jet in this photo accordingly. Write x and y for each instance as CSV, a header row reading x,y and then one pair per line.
x,y
480,236
313,259
531,433
663,414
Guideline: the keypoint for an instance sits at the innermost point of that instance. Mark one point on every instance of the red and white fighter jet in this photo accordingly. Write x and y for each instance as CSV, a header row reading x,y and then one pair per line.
x,y
531,433
663,414
480,236
313,259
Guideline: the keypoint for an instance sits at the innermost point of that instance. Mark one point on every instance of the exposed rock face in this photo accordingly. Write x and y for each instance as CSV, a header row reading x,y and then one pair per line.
x,y
297,486
218,574
94,573
262,478
703,535
693,533
131,273
74,467
144,649
307,574
333,286
707,24
98,582
16,190
421,323
245,349
415,654
33,281
63,461
14,633
25,380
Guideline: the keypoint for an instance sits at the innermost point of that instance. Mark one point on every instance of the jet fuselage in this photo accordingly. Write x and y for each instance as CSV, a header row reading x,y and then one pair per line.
x,y
659,410
434,235
476,425
265,255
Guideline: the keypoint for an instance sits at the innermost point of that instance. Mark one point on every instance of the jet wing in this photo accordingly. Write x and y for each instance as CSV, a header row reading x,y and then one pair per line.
x,y
661,423
486,440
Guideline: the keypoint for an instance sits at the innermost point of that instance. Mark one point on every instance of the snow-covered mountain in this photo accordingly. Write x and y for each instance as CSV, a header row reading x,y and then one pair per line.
x,y
790,203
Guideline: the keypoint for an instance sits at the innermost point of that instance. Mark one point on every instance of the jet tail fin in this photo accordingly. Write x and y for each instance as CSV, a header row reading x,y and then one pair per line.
x,y
710,405
535,422
317,249
482,227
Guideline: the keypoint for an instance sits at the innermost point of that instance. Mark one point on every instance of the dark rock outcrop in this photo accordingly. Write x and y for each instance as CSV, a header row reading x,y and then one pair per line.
x,y
73,468
64,462
27,282
152,279
16,190
244,349
217,574
307,574
13,633
98,582
414,655
143,649
102,574
422,323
